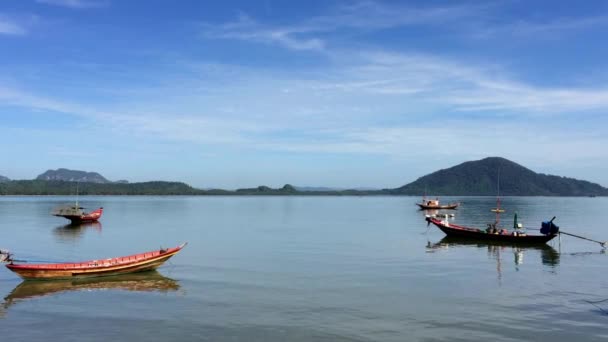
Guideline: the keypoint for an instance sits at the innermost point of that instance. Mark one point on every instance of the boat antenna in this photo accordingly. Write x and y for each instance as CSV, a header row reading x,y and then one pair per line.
x,y
77,194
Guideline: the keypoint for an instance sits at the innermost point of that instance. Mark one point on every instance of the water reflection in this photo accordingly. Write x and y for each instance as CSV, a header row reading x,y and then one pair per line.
x,y
151,281
501,252
75,231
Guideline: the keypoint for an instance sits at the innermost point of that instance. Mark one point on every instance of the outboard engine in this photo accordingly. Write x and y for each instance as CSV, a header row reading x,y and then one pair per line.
x,y
549,228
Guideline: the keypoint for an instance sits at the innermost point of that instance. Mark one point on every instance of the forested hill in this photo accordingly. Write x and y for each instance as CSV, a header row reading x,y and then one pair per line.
x,y
480,178
53,187
43,187
473,178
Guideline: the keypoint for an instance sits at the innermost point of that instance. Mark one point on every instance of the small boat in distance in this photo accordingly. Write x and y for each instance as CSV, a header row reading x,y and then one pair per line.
x,y
76,214
95,268
549,229
434,204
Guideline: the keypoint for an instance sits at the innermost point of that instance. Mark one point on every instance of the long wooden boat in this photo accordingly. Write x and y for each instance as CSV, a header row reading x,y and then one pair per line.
x,y
96,268
76,215
453,230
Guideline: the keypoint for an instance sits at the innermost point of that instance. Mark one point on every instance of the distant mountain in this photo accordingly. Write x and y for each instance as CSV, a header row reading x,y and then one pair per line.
x,y
4,179
72,176
481,178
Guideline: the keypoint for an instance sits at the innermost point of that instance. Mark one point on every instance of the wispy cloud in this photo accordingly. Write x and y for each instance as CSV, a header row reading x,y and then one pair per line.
x,y
466,21
247,29
329,106
552,28
374,15
370,103
9,27
480,88
362,16
75,4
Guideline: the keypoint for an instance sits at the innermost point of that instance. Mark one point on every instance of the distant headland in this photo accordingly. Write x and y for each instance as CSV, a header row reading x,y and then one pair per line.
x,y
472,178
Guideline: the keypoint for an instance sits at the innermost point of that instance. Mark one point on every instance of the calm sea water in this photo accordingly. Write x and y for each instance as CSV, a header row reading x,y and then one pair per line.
x,y
306,269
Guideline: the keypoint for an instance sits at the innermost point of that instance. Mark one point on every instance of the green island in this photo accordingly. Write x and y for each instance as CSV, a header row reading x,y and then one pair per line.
x,y
472,178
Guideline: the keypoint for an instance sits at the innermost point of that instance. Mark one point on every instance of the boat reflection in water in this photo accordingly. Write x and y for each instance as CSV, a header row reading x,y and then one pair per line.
x,y
496,251
75,231
150,281
436,213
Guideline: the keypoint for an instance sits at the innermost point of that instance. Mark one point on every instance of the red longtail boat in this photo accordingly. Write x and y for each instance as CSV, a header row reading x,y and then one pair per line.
x,y
95,268
76,214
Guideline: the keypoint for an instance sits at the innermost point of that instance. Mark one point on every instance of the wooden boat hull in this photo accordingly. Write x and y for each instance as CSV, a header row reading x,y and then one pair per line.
x,y
96,268
431,207
93,216
456,231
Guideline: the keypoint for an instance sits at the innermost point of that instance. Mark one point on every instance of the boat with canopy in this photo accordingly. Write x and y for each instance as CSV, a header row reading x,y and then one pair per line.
x,y
77,215
548,231
434,204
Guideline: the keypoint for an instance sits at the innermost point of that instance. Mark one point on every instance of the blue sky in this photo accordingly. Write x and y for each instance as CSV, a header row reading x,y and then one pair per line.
x,y
320,93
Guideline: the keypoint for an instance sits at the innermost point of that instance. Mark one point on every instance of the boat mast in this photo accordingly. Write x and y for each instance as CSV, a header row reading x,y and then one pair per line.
x,y
424,196
498,198
77,195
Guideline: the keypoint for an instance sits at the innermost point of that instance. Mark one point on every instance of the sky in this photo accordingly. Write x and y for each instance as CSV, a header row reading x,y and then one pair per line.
x,y
231,94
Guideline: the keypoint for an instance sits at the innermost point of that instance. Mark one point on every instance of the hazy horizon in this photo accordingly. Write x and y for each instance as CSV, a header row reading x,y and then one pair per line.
x,y
340,94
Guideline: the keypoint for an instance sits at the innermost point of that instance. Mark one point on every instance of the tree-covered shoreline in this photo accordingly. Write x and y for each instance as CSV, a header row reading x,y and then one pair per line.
x,y
474,178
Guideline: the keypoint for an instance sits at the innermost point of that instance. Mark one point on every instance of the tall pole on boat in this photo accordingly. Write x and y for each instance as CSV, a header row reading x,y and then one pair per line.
x,y
498,199
424,195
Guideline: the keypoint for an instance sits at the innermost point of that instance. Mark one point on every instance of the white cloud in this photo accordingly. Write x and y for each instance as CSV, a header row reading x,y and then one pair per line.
x,y
9,27
75,4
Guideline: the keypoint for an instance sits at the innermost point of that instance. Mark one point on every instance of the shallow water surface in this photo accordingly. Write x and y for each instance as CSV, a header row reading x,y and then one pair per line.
x,y
306,269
